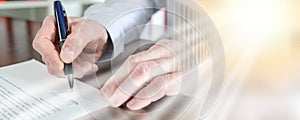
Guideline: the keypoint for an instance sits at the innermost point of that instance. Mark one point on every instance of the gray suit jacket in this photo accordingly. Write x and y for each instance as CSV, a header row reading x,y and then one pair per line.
x,y
121,16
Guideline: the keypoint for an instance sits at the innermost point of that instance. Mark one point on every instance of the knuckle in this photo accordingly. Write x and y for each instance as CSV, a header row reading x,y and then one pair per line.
x,y
46,56
35,44
132,59
38,42
48,19
142,69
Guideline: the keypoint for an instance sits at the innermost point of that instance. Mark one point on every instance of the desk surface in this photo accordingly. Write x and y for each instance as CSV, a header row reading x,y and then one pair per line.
x,y
15,40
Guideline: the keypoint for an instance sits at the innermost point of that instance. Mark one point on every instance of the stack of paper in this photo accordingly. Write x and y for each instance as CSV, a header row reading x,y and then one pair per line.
x,y
27,91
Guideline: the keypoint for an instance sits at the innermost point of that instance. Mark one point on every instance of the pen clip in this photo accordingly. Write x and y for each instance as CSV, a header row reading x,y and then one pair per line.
x,y
66,20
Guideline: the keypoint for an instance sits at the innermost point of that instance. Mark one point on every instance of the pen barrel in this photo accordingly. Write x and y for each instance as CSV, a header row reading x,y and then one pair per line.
x,y
61,20
62,32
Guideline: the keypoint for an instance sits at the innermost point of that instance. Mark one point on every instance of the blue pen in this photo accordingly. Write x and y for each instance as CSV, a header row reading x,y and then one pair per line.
x,y
63,31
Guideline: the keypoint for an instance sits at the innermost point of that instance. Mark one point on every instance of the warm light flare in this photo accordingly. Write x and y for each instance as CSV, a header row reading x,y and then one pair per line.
x,y
258,20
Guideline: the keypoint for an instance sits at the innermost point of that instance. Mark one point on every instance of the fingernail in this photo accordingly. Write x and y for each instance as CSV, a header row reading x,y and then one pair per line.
x,y
95,68
67,55
131,104
61,66
104,92
114,101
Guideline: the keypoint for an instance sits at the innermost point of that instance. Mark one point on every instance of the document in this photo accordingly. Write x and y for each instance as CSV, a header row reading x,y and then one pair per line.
x,y
27,91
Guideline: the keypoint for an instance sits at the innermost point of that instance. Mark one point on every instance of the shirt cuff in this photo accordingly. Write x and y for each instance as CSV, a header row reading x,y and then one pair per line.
x,y
108,52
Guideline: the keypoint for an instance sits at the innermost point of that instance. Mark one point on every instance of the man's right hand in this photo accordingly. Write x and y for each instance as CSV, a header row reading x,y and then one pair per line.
x,y
83,46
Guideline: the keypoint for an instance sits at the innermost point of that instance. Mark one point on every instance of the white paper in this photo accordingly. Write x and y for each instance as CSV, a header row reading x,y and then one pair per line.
x,y
27,91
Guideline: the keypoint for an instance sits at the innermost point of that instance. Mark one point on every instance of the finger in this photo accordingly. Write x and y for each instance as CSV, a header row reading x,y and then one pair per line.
x,y
119,76
173,83
77,71
137,103
72,47
43,42
112,83
83,33
151,90
157,89
85,67
129,86
150,93
73,20
141,74
52,63
89,57
157,51
45,37
53,71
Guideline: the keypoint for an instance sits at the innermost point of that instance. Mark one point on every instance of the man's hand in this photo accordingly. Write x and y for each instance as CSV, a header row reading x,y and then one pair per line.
x,y
83,46
145,77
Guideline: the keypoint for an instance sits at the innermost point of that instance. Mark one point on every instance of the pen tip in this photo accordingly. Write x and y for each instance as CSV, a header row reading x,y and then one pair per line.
x,y
71,80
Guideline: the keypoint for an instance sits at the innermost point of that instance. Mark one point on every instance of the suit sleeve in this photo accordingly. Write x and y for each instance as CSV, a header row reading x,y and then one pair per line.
x,y
120,16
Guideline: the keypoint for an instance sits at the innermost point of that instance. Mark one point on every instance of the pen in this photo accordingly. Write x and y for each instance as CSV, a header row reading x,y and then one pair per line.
x,y
63,31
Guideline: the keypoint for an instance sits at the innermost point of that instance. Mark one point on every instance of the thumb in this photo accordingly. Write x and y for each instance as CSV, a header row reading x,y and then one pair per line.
x,y
72,47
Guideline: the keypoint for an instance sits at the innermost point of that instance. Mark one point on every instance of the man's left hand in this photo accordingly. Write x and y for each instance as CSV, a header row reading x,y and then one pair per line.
x,y
145,77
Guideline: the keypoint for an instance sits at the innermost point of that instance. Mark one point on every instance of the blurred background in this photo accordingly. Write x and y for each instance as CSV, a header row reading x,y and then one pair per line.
x,y
261,40
262,46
